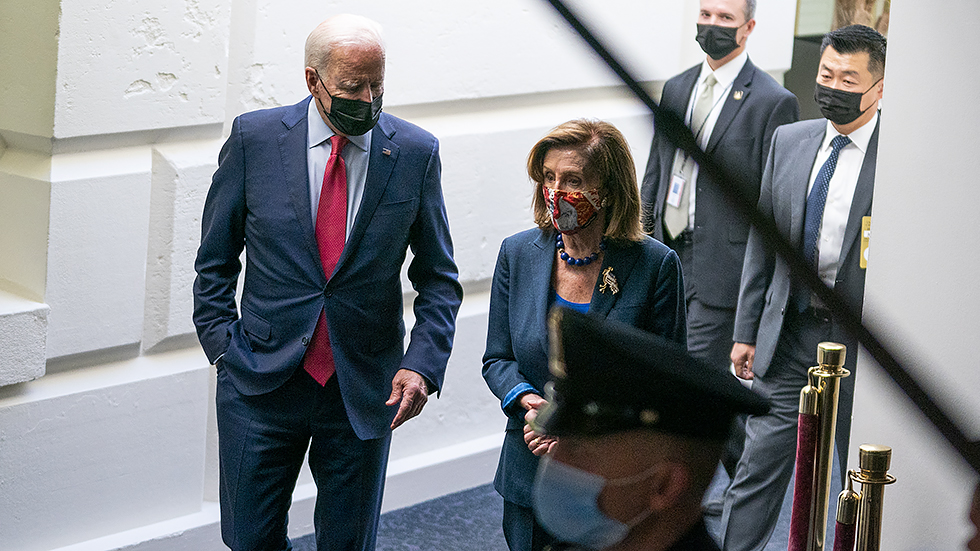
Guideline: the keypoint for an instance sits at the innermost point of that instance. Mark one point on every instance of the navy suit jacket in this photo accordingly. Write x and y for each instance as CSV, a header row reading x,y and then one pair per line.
x,y
754,108
259,199
651,297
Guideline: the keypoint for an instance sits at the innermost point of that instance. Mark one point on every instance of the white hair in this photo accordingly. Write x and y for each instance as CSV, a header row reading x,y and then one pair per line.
x,y
340,30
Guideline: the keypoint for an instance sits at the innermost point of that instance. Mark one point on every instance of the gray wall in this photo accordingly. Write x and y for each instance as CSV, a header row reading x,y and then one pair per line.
x,y
922,294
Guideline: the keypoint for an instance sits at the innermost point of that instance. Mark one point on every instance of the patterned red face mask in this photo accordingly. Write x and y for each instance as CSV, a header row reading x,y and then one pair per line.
x,y
572,210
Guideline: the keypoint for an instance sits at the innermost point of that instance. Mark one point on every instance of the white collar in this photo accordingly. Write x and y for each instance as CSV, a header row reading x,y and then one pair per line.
x,y
726,74
860,137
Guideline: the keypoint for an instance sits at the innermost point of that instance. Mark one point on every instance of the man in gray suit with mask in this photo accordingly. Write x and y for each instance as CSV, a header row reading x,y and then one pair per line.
x,y
817,188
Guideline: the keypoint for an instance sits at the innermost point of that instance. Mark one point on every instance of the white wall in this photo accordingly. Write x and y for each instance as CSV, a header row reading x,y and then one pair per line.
x,y
922,294
111,114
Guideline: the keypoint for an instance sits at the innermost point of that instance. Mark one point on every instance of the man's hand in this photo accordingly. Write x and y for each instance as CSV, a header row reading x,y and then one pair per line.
x,y
742,357
538,443
408,387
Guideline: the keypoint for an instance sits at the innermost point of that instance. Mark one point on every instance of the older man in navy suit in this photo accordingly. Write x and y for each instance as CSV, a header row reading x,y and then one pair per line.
x,y
325,196
733,107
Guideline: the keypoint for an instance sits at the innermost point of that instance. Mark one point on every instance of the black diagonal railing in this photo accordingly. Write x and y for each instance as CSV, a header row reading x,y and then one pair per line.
x,y
674,129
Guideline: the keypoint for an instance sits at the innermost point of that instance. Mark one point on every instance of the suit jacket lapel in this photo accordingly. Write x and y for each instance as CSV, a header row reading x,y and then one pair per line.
x,y
736,98
620,262
380,166
293,152
539,259
800,180
861,203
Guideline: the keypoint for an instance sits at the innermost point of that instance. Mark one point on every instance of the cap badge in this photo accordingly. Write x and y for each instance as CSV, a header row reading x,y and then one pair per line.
x,y
609,282
649,417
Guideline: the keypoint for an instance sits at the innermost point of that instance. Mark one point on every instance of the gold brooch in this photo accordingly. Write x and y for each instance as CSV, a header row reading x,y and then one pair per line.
x,y
609,281
737,95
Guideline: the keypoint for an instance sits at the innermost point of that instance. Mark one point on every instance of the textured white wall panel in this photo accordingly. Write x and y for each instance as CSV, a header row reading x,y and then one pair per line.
x,y
447,50
23,328
90,453
97,250
181,176
28,47
125,66
25,196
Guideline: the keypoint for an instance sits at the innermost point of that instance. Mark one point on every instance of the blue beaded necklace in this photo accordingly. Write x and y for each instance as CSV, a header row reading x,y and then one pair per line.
x,y
571,260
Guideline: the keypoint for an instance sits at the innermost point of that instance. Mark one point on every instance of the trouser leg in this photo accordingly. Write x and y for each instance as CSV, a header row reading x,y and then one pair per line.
x,y
754,498
349,475
261,444
521,529
709,338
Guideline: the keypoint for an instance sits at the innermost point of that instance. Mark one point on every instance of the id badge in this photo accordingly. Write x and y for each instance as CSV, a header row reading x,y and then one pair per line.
x,y
865,241
677,183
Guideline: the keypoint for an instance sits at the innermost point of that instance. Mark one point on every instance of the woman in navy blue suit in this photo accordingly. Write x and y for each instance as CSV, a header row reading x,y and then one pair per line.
x,y
588,253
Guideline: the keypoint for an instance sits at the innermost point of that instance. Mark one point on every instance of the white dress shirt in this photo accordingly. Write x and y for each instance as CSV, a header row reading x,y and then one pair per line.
x,y
355,161
725,77
840,194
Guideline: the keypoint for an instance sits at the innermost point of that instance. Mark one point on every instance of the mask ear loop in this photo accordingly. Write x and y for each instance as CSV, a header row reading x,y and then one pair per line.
x,y
318,77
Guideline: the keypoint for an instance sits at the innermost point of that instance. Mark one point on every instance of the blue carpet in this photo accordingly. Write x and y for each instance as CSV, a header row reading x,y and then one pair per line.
x,y
465,520
471,520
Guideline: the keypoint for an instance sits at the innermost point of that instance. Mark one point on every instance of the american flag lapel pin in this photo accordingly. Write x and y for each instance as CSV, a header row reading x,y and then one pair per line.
x,y
385,151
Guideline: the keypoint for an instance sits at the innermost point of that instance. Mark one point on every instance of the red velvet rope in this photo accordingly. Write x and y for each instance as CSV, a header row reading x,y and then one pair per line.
x,y
806,457
844,536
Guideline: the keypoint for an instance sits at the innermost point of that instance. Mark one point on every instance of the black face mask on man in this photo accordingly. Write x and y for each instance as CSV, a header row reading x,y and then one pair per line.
x,y
718,41
839,106
351,117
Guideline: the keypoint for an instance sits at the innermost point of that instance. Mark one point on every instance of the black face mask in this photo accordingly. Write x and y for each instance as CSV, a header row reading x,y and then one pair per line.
x,y
839,106
351,117
718,41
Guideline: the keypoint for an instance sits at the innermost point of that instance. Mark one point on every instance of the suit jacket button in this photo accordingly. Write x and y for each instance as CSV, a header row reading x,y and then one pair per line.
x,y
329,294
306,341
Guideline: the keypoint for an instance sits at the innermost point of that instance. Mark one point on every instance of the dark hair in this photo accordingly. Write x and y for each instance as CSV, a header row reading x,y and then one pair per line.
x,y
608,158
853,39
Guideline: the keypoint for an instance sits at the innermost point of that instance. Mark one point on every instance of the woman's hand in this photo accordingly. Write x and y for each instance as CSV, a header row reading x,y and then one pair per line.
x,y
538,443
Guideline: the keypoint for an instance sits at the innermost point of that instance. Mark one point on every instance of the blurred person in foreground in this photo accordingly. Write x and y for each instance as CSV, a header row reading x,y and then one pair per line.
x,y
640,427
587,253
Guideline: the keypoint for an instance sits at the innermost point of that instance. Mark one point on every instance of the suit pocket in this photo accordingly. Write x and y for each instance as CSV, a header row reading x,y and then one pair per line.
x,y
738,230
255,326
398,208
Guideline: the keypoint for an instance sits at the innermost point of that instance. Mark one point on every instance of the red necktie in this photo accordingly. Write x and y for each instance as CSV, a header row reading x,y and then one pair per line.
x,y
331,230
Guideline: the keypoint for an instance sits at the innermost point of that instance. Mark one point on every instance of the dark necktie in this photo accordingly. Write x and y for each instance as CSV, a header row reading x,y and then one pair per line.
x,y
331,230
814,209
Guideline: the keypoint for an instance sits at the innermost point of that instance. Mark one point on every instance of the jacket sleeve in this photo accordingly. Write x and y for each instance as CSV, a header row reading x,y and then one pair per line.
x,y
668,313
759,264
222,240
434,277
500,369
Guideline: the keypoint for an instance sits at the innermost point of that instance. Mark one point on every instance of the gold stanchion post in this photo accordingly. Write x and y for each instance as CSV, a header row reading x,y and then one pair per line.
x,y
873,475
827,375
